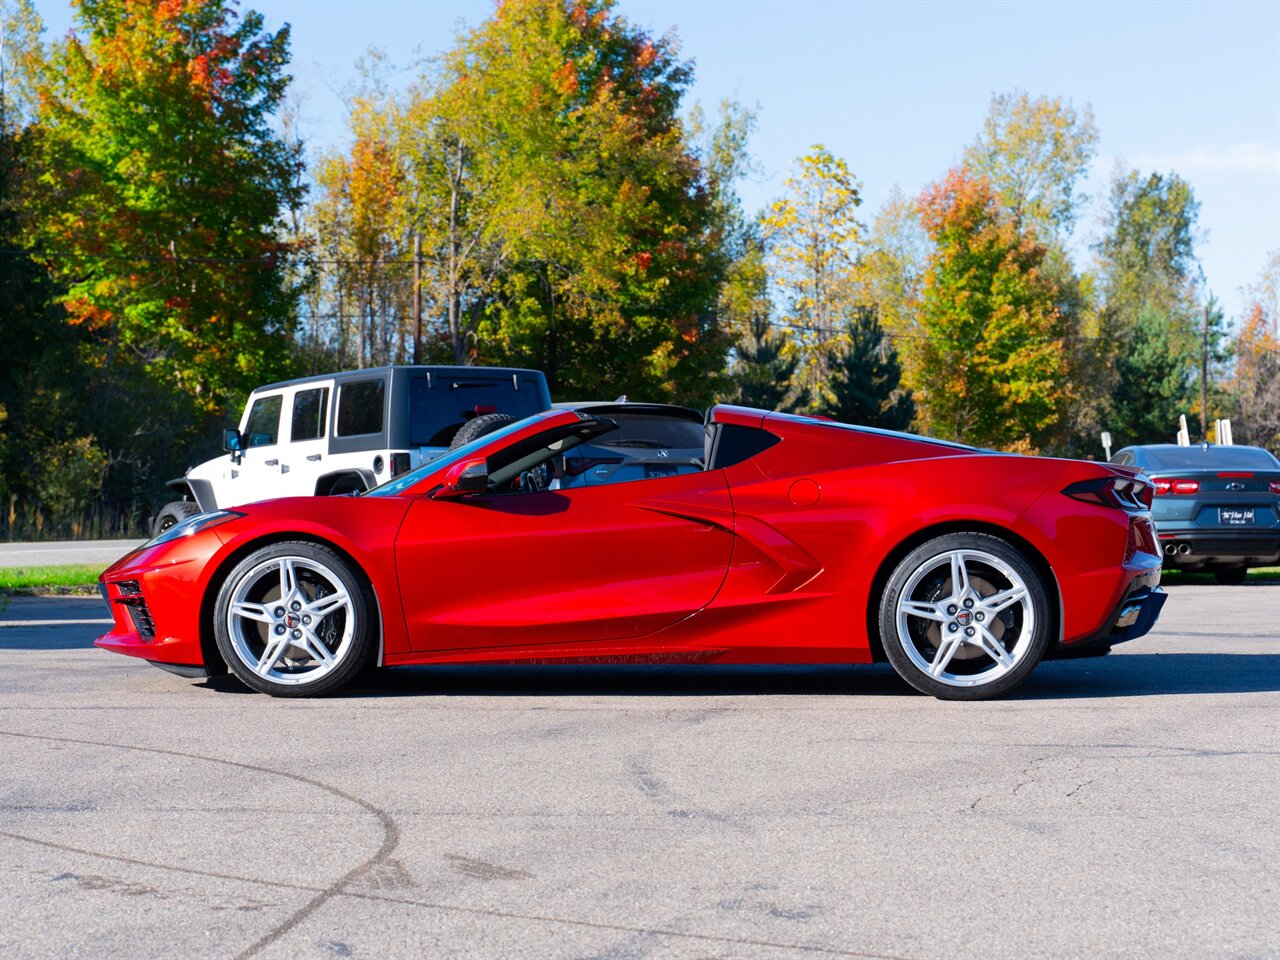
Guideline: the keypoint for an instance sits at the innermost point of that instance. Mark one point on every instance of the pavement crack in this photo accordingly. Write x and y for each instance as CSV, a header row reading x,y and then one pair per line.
x,y
390,831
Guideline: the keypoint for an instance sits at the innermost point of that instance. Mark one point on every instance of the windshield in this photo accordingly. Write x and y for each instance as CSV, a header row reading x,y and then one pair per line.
x,y
406,480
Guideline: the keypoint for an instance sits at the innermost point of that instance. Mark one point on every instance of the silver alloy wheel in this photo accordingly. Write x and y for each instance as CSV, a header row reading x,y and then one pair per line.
x,y
976,610
291,620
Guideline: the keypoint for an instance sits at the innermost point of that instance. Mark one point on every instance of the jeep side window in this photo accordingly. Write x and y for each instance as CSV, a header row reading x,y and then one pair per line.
x,y
360,407
263,427
309,410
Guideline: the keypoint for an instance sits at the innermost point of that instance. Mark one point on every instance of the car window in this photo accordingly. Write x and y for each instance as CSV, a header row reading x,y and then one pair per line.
x,y
407,480
310,408
641,447
360,407
1191,458
263,427
439,406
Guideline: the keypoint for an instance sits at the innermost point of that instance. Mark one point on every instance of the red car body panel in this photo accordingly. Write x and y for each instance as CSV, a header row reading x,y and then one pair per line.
x,y
778,558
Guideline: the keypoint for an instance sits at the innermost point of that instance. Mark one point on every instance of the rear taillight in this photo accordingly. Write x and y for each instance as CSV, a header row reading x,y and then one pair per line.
x,y
1275,486
1165,486
1141,539
1124,493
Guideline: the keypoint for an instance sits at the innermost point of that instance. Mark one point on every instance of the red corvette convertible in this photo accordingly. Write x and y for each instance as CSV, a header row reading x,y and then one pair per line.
x,y
789,540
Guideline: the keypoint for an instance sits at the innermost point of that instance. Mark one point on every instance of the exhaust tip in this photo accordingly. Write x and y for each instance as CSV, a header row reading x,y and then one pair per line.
x,y
1170,549
1184,548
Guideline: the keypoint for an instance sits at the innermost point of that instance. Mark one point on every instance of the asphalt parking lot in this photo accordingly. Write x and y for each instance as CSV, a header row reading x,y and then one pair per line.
x,y
1122,807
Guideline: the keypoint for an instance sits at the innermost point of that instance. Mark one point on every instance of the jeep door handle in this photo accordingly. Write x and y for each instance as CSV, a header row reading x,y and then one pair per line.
x,y
271,463
314,456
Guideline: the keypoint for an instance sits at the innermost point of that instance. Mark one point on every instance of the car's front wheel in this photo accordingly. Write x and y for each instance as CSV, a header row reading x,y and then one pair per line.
x,y
964,617
295,619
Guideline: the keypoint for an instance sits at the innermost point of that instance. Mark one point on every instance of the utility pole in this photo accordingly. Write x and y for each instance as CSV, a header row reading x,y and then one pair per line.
x,y
1204,374
417,297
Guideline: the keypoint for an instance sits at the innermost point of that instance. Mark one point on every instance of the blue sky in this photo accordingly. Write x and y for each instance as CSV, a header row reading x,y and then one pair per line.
x,y
898,89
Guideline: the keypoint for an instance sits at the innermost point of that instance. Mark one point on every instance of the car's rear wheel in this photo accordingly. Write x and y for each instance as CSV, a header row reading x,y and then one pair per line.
x,y
964,617
294,620
1231,575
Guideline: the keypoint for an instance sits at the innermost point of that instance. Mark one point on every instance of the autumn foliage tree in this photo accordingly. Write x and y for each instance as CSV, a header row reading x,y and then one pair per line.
x,y
161,190
570,116
813,238
990,368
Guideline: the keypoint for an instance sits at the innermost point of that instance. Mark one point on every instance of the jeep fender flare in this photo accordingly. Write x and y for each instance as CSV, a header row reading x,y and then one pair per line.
x,y
326,483
201,491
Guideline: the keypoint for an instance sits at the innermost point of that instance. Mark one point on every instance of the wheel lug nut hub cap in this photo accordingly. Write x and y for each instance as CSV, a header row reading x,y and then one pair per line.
x,y
969,631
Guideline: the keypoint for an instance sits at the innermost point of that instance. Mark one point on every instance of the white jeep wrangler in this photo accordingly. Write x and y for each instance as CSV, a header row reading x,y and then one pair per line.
x,y
348,432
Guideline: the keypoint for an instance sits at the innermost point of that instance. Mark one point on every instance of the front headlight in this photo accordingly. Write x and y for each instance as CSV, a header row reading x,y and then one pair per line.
x,y
193,525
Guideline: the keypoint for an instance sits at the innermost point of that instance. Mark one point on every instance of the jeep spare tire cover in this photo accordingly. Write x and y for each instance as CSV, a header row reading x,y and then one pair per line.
x,y
479,426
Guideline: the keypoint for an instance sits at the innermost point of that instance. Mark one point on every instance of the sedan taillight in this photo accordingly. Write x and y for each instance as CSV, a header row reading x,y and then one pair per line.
x,y
1165,486
1275,486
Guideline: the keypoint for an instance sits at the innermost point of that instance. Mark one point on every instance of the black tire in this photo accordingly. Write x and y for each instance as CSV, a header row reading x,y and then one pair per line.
x,y
479,426
1231,576
966,671
348,634
171,514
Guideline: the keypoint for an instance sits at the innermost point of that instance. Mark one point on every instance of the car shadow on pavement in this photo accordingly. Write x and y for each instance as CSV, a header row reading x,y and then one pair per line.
x,y
1153,675
1116,675
631,680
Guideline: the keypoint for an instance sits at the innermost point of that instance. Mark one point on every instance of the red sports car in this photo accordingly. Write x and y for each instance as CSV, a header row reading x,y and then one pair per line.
x,y
790,540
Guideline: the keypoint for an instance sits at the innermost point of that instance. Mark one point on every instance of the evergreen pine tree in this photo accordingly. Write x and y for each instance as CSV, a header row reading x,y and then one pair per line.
x,y
865,377
763,373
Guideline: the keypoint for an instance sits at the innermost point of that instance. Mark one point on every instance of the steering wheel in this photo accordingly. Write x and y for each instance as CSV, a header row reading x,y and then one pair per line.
x,y
535,479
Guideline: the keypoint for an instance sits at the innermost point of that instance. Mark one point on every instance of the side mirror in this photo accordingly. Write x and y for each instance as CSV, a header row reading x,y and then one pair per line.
x,y
232,443
464,477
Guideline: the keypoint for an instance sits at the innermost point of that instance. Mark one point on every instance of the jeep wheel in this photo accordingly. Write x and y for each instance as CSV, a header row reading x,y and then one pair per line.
x,y
478,427
172,514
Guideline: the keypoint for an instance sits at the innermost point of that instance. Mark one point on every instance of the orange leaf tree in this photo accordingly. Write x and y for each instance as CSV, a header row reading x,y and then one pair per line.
x,y
989,365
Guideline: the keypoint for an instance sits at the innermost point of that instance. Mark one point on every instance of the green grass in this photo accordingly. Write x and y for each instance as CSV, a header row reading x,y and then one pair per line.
x,y
1256,575
76,577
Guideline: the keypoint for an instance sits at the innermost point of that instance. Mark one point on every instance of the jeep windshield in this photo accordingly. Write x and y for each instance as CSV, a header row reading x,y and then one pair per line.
x,y
439,406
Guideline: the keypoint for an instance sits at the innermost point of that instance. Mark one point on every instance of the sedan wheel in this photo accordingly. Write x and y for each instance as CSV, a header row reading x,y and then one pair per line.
x,y
292,620
964,617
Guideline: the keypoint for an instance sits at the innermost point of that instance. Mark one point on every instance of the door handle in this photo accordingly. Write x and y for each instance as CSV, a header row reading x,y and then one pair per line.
x,y
271,463
314,456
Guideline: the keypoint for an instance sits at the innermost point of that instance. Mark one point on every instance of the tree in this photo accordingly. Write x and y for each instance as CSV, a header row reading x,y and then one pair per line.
x,y
763,372
1154,381
161,190
991,368
1254,388
1147,255
1034,153
362,228
602,213
1148,275
812,237
865,378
